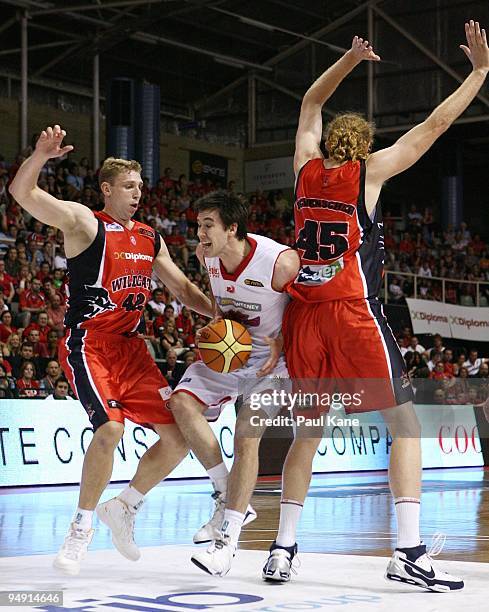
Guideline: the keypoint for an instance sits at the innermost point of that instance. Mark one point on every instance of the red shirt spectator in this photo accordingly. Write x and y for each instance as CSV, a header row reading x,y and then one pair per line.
x,y
56,313
27,384
166,180
32,299
406,245
175,239
6,327
41,326
191,215
185,322
477,244
6,283
438,372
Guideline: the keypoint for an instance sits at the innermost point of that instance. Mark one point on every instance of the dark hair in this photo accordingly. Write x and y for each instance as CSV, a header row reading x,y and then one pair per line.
x,y
62,379
231,209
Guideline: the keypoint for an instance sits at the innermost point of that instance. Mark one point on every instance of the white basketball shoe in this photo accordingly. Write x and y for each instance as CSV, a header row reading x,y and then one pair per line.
x,y
414,566
212,529
279,564
218,557
74,549
120,520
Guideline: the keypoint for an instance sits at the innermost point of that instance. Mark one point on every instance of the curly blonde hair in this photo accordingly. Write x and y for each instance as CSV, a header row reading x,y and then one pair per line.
x,y
113,166
348,137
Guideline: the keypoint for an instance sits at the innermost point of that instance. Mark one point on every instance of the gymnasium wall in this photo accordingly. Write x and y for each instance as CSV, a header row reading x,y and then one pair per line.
x,y
174,150
77,125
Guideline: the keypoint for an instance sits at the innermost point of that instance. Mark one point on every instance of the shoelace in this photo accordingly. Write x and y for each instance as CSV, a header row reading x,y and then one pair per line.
x,y
437,543
128,522
74,543
219,504
220,543
295,565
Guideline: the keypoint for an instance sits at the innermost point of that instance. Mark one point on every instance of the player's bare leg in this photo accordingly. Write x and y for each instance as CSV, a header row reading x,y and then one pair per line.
x,y
243,475
405,471
119,513
218,557
296,478
97,469
98,463
161,459
405,459
188,414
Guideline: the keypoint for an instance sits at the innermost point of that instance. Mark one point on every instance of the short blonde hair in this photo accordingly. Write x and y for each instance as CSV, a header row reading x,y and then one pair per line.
x,y
113,166
348,137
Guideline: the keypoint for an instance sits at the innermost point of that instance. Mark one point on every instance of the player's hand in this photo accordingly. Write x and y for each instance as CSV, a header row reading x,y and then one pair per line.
x,y
198,333
50,141
476,49
363,50
276,345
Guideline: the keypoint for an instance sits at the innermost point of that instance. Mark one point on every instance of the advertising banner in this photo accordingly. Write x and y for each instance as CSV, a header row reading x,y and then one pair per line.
x,y
449,438
469,323
449,320
206,166
429,317
269,174
43,442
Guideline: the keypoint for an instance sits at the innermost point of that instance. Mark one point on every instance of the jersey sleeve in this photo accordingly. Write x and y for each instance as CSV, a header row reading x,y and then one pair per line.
x,y
157,243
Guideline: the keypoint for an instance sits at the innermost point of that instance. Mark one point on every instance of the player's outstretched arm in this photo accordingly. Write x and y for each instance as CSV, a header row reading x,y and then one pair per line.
x,y
388,162
310,127
176,281
67,216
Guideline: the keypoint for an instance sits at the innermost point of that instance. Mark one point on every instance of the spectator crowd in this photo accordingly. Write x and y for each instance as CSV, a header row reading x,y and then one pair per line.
x,y
420,247
33,279
442,374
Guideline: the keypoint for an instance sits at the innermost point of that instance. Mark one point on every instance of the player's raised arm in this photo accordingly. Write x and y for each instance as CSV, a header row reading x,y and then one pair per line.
x,y
67,216
310,127
176,281
388,162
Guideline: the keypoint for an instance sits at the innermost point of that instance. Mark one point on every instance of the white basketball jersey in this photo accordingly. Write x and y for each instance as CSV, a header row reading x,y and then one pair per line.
x,y
247,295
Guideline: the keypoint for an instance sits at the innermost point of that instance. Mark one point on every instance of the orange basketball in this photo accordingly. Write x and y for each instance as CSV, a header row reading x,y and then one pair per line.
x,y
225,345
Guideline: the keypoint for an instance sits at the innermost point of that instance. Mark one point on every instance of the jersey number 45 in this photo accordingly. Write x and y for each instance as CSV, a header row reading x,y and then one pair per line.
x,y
322,241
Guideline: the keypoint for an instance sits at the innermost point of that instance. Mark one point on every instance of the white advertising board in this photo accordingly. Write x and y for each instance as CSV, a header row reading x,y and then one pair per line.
x,y
43,442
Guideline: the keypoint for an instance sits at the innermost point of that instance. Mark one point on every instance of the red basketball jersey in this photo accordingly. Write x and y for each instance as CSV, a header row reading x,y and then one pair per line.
x,y
110,282
341,247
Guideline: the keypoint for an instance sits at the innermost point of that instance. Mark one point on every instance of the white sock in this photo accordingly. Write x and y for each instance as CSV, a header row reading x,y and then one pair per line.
x,y
83,519
290,513
219,476
132,498
407,513
231,525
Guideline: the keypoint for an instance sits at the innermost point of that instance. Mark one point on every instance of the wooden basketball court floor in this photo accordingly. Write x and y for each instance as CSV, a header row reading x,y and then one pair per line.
x,y
347,518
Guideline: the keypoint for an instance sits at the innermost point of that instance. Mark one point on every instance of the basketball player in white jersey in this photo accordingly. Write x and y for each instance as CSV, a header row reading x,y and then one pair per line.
x,y
247,275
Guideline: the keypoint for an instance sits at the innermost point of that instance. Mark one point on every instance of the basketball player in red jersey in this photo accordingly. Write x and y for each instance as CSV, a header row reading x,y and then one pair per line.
x,y
110,262
335,309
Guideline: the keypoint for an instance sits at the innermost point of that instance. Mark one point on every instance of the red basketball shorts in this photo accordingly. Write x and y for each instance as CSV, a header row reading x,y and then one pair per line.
x,y
345,346
115,378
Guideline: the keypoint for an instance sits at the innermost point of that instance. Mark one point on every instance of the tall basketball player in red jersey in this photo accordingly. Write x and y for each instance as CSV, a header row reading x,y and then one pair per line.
x,y
335,328
110,262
